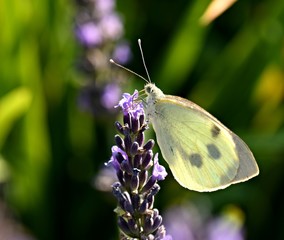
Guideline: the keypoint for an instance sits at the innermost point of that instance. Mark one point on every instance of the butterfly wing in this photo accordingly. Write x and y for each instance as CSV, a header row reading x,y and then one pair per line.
x,y
202,153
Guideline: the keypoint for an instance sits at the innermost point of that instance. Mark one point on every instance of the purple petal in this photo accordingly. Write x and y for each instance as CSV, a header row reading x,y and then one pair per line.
x,y
159,172
110,95
168,237
224,228
183,222
89,34
104,6
122,53
129,104
113,160
111,26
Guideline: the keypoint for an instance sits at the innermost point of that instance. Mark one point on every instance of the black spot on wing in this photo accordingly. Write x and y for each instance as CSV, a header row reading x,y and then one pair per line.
x,y
172,150
215,131
195,159
213,151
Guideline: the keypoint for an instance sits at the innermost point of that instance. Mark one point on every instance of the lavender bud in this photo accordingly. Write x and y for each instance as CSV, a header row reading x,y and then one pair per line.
x,y
119,142
146,161
137,161
157,222
126,203
127,119
127,178
143,178
148,224
161,233
135,201
127,196
133,227
150,201
155,212
149,145
127,142
134,148
143,128
143,207
155,189
116,186
135,125
141,120
118,194
123,225
125,166
119,127
119,157
150,183
135,180
128,207
140,138
126,130
120,177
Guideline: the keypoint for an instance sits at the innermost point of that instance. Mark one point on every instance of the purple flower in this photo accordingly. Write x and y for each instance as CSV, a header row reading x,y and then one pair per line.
x,y
99,30
111,26
159,171
189,222
110,95
129,105
122,53
167,237
183,222
99,100
104,6
89,34
114,160
224,228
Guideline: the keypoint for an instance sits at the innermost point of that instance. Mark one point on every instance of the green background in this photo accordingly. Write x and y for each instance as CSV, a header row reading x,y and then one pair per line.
x,y
50,150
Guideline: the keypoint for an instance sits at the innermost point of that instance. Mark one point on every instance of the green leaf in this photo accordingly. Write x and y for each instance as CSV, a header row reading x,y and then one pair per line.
x,y
12,106
4,170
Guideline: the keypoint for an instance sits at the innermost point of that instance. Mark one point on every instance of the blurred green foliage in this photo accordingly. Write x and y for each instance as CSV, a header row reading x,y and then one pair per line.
x,y
50,150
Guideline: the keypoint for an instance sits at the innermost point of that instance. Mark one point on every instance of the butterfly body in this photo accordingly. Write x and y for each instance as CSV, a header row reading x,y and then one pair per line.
x,y
202,153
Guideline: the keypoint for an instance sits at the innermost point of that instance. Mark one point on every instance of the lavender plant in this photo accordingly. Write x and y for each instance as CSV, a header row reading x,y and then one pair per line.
x,y
138,175
99,31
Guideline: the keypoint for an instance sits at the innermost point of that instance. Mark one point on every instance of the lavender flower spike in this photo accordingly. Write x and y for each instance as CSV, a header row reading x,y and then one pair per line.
x,y
99,31
137,187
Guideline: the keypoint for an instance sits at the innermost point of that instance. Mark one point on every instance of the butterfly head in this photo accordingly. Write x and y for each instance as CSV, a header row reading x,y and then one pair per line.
x,y
153,92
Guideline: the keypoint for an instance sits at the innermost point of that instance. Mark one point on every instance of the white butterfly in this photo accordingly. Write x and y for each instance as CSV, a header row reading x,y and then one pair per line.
x,y
202,153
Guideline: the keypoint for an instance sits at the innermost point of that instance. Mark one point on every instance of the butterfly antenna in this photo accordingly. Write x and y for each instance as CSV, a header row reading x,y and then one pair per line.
x,y
128,70
139,43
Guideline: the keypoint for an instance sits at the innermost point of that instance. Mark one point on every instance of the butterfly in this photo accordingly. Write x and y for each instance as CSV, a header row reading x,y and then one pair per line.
x,y
202,153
